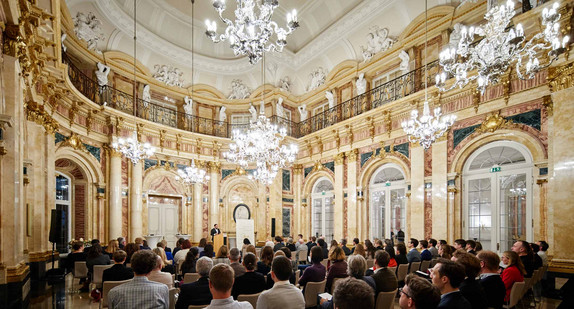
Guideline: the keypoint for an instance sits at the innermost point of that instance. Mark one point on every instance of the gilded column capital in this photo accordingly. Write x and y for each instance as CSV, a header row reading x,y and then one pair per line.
x,y
339,158
297,169
112,151
214,167
562,77
548,104
352,155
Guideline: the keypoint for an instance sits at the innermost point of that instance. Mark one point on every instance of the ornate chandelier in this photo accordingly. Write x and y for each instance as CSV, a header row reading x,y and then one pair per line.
x,y
494,54
261,144
192,175
132,149
251,33
428,128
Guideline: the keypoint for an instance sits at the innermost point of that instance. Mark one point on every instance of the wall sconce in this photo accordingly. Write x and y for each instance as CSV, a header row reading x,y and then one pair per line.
x,y
360,195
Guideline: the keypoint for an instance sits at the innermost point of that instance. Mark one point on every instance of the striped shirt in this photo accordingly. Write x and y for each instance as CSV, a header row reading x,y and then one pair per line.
x,y
139,293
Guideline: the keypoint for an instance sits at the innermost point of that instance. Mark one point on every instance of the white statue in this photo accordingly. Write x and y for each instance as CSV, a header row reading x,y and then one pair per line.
x,y
404,66
88,28
146,96
169,75
361,84
62,39
222,114
285,84
239,90
455,35
316,78
279,108
303,112
378,40
188,106
331,98
253,112
102,74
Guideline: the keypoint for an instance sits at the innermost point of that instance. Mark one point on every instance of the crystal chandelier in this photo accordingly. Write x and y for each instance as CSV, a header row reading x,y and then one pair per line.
x,y
429,127
192,175
494,54
261,144
251,33
132,149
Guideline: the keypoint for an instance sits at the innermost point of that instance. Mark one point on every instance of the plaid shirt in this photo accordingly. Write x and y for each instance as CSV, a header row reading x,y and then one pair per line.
x,y
139,293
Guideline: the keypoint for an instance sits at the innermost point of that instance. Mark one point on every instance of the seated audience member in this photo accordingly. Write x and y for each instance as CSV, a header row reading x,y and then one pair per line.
x,y
145,245
339,267
536,258
179,257
207,251
140,292
119,271
163,244
385,279
250,282
278,243
514,271
111,248
234,257
291,244
369,249
158,276
470,246
413,255
251,248
401,256
445,251
316,272
96,257
188,265
426,255
77,255
470,287
542,253
283,294
264,264
391,251
290,257
301,247
177,246
121,242
432,248
139,241
246,243
167,267
524,251
378,244
355,243
311,243
196,293
202,244
418,293
459,244
131,248
352,293
490,279
447,276
323,245
344,247
441,242
359,249
356,267
220,283
221,256
478,247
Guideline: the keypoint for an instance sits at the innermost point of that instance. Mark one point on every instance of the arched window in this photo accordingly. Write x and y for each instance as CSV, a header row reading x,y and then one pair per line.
x,y
387,190
64,203
497,195
322,208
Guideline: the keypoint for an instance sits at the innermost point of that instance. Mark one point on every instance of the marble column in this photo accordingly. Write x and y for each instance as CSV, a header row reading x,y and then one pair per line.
x,y
439,189
417,200
49,173
276,203
352,204
338,217
136,215
197,222
214,210
115,195
298,208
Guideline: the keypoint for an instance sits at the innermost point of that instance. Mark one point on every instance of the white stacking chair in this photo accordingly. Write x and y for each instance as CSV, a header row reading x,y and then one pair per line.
x,y
386,300
80,271
414,267
190,277
425,266
98,274
515,294
107,286
251,298
312,289
173,294
402,272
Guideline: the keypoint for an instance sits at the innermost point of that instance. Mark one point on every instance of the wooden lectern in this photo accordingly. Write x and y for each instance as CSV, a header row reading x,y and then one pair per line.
x,y
217,242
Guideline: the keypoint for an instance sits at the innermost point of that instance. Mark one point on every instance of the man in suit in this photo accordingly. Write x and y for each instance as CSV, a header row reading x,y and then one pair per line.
x,y
283,294
447,276
413,255
197,293
356,241
220,283
432,248
121,242
385,279
234,262
470,246
490,279
278,243
119,271
353,293
426,255
344,246
418,293
215,231
251,282
460,244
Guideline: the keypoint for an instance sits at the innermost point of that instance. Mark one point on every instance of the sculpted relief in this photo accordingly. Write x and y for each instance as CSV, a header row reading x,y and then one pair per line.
x,y
378,40
89,28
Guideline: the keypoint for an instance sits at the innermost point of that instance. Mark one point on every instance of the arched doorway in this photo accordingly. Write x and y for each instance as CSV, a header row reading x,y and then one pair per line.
x,y
322,208
64,204
387,201
497,195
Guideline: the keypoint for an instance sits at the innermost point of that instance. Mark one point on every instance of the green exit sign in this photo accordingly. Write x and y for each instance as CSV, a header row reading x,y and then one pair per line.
x,y
495,169
388,184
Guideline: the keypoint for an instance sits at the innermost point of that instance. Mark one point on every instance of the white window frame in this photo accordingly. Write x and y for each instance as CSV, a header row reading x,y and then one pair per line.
x,y
67,202
323,197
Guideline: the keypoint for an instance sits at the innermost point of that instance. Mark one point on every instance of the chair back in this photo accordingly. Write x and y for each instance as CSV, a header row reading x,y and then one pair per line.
x,y
107,286
129,265
385,300
197,306
312,289
370,263
535,276
302,256
393,269
98,274
251,298
433,262
173,293
80,270
425,266
414,267
324,262
258,251
190,277
402,272
335,282
516,293
297,276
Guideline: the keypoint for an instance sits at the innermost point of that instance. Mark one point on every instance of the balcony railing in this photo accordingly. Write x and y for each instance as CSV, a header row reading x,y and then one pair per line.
x,y
390,91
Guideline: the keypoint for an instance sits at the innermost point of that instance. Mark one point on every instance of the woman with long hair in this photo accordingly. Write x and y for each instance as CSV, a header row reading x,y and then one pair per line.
x,y
180,255
221,256
514,271
251,248
112,247
207,251
188,266
370,249
401,256
316,272
201,246
338,268
446,251
166,264
264,264
391,251
360,250
131,248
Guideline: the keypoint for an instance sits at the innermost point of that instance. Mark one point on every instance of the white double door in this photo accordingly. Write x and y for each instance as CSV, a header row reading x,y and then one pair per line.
x,y
323,215
387,210
163,219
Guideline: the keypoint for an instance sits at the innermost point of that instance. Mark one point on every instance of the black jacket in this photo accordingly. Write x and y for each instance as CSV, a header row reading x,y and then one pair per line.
x,y
249,283
194,293
118,272
494,290
454,300
473,292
